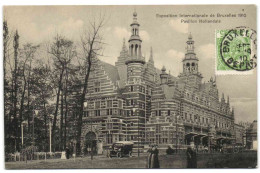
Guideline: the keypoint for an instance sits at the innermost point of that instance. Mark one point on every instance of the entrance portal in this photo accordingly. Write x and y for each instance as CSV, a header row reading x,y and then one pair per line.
x,y
90,143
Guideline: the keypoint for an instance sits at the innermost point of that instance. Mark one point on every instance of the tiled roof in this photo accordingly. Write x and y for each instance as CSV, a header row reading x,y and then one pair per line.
x,y
111,71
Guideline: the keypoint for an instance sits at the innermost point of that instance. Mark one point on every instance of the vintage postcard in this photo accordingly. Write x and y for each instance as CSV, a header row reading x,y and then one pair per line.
x,y
158,86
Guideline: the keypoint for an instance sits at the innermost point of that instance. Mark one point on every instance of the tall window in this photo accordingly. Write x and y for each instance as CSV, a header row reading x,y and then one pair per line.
x,y
109,103
97,105
131,88
132,102
120,104
97,86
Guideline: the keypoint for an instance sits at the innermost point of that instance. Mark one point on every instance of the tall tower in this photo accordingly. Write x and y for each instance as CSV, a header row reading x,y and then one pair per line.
x,y
135,61
135,90
191,74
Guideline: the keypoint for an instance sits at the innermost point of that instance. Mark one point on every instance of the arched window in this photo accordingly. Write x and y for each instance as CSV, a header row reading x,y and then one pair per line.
x,y
132,49
193,64
188,64
136,48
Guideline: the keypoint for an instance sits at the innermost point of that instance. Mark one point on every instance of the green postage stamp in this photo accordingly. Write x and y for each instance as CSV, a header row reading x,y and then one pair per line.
x,y
235,51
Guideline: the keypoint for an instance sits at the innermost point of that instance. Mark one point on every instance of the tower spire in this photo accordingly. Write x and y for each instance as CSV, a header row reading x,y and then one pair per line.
x,y
151,55
124,46
223,98
135,41
190,45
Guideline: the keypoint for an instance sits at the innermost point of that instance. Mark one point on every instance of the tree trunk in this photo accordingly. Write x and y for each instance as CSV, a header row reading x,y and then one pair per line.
x,y
21,109
61,122
46,126
28,97
57,107
83,95
16,46
66,110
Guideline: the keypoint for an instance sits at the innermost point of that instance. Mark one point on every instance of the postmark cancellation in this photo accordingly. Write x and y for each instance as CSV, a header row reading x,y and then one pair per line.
x,y
235,51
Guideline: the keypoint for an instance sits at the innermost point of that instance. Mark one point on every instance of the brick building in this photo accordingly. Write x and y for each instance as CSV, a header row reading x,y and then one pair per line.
x,y
134,101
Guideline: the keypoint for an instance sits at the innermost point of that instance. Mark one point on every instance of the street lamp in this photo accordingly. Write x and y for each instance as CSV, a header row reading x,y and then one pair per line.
x,y
24,122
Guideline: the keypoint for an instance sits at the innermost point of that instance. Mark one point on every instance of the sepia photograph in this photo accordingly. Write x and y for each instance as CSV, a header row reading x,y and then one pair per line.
x,y
130,86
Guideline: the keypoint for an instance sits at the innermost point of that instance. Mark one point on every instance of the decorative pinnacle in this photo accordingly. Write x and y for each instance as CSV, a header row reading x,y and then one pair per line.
x,y
190,36
151,55
124,43
163,68
135,14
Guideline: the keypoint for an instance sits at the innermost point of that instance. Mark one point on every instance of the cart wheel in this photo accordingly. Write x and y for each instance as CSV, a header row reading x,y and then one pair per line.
x,y
130,154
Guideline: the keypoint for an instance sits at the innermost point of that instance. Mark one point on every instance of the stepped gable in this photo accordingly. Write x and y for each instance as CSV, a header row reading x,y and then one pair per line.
x,y
111,71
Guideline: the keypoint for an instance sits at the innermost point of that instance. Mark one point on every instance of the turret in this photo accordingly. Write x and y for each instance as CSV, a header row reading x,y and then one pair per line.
x,y
190,62
164,76
191,74
135,61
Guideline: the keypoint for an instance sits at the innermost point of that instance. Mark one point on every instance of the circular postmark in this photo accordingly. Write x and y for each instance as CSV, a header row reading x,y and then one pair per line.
x,y
238,48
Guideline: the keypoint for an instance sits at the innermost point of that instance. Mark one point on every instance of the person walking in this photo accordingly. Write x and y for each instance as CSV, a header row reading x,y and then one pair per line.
x,y
156,157
149,158
189,154
153,160
194,159
67,152
191,158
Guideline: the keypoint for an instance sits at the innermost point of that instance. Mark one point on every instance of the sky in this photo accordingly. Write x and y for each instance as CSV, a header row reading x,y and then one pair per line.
x,y
167,37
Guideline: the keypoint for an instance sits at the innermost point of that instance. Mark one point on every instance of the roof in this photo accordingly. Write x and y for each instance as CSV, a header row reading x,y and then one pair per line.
x,y
170,92
253,127
111,71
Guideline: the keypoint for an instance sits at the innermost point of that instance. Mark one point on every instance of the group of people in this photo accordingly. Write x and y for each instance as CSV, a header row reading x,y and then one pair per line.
x,y
153,160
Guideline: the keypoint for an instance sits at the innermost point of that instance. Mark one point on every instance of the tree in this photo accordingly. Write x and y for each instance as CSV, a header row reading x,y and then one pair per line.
x,y
15,81
62,51
42,89
7,89
27,55
92,45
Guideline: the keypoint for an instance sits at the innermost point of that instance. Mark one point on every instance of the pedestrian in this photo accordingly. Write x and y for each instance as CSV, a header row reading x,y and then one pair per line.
x,y
191,158
67,153
153,160
189,153
149,151
194,159
156,158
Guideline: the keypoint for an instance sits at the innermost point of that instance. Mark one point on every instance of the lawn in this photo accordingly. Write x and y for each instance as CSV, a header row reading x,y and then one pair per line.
x,y
238,160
